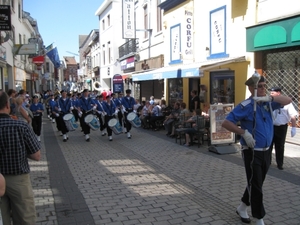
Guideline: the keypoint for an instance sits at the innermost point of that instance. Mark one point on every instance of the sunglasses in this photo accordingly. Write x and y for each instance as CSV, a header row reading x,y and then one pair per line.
x,y
262,86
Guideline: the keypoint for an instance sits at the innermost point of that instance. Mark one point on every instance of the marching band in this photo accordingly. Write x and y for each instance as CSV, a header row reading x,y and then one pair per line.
x,y
109,115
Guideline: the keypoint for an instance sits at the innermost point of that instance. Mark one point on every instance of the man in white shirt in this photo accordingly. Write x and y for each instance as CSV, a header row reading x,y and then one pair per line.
x,y
282,117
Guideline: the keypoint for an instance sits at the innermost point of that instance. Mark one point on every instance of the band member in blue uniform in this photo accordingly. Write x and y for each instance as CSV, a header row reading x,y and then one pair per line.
x,y
37,110
257,134
75,104
118,102
110,111
128,103
55,113
64,107
101,114
86,105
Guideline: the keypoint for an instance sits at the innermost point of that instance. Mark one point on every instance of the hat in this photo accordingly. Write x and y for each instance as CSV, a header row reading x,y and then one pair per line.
x,y
85,90
128,91
275,89
250,81
62,91
35,96
108,96
99,96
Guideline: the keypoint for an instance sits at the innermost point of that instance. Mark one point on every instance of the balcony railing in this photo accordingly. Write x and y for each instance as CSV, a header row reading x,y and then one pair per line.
x,y
128,48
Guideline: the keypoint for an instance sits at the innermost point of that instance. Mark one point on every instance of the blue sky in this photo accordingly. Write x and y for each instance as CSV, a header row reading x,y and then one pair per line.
x,y
62,21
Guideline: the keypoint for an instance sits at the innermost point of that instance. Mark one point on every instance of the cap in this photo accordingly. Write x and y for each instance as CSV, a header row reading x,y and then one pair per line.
x,y
108,96
35,96
62,91
250,81
275,89
128,91
99,96
85,90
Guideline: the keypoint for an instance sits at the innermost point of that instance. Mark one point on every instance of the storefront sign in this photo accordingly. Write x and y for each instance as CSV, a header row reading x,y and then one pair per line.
x,y
127,63
217,32
118,83
5,18
218,134
175,44
128,19
188,35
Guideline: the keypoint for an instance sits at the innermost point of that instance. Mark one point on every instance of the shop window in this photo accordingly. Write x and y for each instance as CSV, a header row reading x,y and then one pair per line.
x,y
175,88
222,87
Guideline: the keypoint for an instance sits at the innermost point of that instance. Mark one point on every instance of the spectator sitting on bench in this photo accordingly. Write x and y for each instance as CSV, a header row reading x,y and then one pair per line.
x,y
193,129
172,118
156,115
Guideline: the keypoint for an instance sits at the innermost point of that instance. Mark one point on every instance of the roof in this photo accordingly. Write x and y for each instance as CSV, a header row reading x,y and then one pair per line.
x,y
70,60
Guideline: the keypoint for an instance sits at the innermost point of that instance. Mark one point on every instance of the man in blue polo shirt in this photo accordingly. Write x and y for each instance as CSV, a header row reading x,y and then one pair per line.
x,y
256,153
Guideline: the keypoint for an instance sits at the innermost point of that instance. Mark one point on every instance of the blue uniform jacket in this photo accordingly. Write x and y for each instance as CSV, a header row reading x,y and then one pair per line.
x,y
128,103
34,107
65,105
244,113
86,104
109,108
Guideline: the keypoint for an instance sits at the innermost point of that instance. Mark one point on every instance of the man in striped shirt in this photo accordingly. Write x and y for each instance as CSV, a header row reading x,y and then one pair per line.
x,y
17,143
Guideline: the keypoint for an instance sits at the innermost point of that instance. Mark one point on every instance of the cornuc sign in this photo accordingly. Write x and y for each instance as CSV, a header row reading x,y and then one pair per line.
x,y
5,19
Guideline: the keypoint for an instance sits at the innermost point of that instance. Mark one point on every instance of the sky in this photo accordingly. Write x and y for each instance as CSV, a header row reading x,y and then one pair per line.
x,y
62,21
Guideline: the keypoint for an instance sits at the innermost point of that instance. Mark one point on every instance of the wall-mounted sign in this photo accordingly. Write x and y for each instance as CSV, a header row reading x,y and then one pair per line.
x,y
175,44
26,49
5,19
127,63
218,33
128,19
187,52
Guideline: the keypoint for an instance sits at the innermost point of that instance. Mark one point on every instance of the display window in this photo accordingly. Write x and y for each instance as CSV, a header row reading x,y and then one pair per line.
x,y
222,87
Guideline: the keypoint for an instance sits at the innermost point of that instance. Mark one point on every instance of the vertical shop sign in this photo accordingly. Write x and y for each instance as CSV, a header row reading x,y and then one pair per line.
x,y
188,35
128,19
175,54
218,33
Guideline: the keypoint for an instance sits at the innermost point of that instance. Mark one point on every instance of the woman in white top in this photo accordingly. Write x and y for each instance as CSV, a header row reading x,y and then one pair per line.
x,y
21,113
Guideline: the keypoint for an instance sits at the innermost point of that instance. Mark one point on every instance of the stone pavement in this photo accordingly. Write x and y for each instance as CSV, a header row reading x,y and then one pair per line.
x,y
150,179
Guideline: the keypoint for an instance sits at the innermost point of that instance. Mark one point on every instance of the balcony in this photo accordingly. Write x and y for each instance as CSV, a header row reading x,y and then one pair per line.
x,y
129,48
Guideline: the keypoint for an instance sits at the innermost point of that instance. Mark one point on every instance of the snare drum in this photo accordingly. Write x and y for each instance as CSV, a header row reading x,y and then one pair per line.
x,y
115,126
92,121
70,122
134,119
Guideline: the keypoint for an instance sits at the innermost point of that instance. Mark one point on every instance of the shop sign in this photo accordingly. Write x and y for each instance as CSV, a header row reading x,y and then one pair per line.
x,y
127,63
128,19
175,44
5,17
188,35
118,83
217,32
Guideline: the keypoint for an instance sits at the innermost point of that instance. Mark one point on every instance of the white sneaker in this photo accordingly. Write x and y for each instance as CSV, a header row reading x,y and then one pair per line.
x,y
61,134
49,116
103,133
125,130
260,222
128,135
110,138
87,137
65,138
39,138
53,120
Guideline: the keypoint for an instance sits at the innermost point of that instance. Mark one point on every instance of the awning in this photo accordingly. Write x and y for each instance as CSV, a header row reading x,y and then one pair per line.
x,y
185,70
212,64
